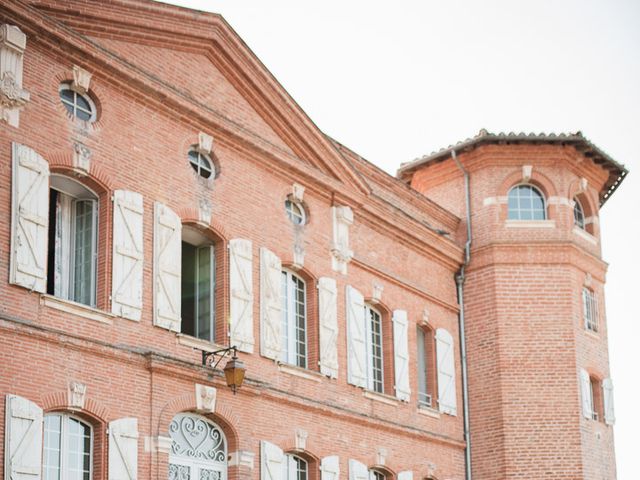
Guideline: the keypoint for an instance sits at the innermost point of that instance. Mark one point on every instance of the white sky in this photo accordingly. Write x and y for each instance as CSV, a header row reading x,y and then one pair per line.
x,y
394,81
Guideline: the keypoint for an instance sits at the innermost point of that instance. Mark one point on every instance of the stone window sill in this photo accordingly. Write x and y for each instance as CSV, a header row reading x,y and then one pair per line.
x,y
76,308
300,372
197,343
585,235
428,411
530,224
380,397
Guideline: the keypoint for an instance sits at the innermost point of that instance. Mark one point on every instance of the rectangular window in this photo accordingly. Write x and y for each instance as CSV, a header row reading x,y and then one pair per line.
x,y
198,291
590,310
72,248
375,367
294,320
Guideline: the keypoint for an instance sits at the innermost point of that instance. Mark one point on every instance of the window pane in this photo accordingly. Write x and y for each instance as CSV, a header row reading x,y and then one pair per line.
x,y
83,252
375,350
422,368
188,289
205,294
284,356
300,322
51,451
83,104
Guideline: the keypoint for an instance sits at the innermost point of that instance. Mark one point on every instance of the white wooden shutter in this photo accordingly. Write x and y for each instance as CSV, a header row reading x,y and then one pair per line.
x,y
446,372
328,313
270,304
406,475
271,461
23,439
241,304
330,468
30,219
401,354
356,339
586,394
358,470
167,258
123,449
607,392
126,292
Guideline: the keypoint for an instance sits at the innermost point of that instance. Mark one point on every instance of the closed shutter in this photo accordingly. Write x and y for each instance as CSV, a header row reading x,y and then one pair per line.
x,y
586,394
328,313
123,449
270,304
358,470
401,354
406,475
356,338
30,219
126,296
446,372
23,439
607,391
241,282
330,468
167,256
271,461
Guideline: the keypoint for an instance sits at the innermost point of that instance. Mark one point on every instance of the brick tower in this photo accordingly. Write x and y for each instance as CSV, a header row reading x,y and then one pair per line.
x,y
540,394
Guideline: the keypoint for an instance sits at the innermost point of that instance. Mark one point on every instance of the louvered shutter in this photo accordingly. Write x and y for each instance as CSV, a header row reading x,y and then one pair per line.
x,y
607,391
30,219
271,461
330,468
446,372
167,256
328,313
270,304
586,394
358,470
406,475
241,282
123,449
401,354
126,296
23,439
356,338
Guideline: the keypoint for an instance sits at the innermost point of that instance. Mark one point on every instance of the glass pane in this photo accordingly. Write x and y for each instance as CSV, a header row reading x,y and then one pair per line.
x,y
83,104
422,367
300,322
83,115
205,297
376,350
284,356
205,166
188,286
67,95
51,450
83,252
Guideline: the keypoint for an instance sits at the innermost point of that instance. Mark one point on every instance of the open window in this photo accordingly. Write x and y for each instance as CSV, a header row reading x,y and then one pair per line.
x,y
72,241
427,372
295,468
198,285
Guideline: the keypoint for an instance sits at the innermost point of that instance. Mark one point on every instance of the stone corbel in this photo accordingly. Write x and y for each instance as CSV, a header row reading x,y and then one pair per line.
x,y
341,253
381,456
297,193
241,459
425,316
588,280
298,257
205,399
376,297
205,143
526,173
81,158
301,439
76,395
81,80
12,96
582,186
204,212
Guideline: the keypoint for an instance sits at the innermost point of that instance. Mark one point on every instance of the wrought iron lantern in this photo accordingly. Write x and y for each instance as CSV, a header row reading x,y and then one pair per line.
x,y
234,370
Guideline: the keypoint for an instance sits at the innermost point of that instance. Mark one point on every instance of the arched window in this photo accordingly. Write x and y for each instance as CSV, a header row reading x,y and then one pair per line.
x,y
295,468
73,212
198,449
526,202
294,320
67,448
578,214
377,475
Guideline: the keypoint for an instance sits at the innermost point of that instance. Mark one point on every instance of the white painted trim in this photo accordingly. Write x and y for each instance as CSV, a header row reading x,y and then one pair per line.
x,y
428,411
584,235
300,372
76,308
197,343
381,397
530,224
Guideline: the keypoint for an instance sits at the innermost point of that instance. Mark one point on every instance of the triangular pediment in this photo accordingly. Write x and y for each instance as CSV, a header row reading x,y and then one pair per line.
x,y
200,57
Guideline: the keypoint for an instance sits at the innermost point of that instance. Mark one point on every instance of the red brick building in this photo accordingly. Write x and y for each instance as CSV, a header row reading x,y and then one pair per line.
x,y
162,196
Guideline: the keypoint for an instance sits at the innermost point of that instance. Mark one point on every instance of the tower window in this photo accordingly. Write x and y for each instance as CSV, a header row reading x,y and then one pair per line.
x,y
590,309
526,203
578,214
